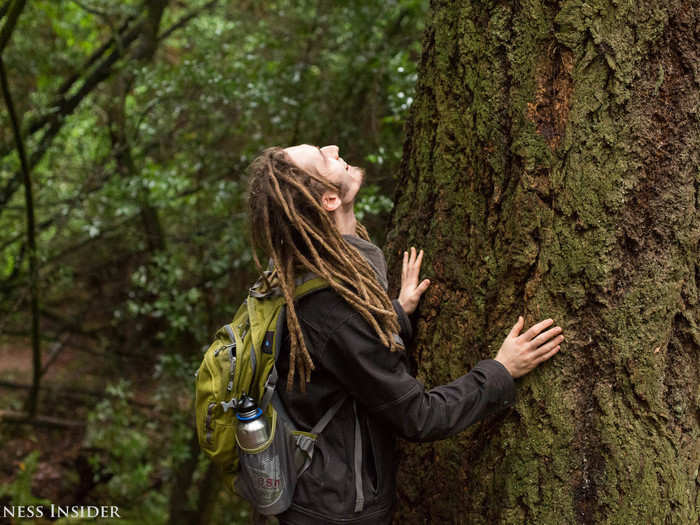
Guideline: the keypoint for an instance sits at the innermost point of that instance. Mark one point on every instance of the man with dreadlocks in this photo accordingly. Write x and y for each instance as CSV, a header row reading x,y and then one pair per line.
x,y
350,335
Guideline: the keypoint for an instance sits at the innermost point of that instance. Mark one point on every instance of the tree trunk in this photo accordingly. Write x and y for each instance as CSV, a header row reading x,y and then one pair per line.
x,y
182,479
551,169
209,488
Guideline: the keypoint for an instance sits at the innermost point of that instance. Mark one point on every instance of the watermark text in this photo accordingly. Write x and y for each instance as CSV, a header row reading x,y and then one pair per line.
x,y
60,511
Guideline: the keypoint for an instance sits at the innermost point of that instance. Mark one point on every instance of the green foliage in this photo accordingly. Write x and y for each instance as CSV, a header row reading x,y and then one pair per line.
x,y
136,451
19,491
157,292
372,202
123,437
140,450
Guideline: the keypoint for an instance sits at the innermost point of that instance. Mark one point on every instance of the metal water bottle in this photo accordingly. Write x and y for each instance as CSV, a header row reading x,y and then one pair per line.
x,y
262,479
252,428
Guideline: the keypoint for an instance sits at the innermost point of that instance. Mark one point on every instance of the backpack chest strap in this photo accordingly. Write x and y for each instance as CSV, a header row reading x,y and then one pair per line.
x,y
271,383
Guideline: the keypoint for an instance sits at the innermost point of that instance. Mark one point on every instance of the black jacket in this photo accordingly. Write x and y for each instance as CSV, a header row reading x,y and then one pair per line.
x,y
349,358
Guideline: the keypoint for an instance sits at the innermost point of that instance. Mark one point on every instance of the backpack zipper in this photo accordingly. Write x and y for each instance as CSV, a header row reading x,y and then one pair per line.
x,y
232,357
207,423
223,347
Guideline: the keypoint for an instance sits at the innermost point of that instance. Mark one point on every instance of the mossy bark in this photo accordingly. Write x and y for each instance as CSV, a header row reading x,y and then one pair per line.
x,y
551,169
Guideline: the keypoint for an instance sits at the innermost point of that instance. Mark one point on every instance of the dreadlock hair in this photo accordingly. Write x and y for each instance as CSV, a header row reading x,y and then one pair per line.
x,y
289,224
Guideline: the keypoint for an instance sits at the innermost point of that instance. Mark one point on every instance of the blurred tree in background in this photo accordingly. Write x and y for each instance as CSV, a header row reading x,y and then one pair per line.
x,y
138,119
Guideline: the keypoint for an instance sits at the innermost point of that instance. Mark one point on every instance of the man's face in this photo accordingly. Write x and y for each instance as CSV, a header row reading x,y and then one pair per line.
x,y
330,165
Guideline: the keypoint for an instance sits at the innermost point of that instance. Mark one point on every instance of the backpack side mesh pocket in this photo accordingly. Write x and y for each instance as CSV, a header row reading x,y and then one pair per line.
x,y
267,477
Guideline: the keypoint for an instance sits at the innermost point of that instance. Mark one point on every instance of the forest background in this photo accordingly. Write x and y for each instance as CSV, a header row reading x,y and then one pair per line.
x,y
136,121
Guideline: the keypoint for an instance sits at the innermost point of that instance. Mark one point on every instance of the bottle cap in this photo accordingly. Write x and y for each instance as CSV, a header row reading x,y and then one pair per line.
x,y
247,410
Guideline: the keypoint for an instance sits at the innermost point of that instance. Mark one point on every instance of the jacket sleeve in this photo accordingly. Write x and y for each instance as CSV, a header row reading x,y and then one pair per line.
x,y
404,322
380,381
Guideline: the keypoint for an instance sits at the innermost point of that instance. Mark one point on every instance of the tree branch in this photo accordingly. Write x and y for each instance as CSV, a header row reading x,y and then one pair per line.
x,y
96,55
4,7
64,107
9,26
92,10
186,19
73,392
9,416
55,351
144,358
38,122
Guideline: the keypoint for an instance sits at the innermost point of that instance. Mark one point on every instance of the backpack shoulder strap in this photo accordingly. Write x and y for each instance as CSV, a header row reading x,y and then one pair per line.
x,y
328,415
305,285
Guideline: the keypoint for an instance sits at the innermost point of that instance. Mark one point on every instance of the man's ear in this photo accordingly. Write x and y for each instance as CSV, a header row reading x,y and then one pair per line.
x,y
330,201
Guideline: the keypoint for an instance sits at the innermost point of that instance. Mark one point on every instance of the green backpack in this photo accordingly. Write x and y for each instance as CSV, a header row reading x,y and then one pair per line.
x,y
241,360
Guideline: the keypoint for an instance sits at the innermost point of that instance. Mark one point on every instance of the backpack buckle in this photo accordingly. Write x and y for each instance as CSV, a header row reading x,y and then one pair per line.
x,y
232,404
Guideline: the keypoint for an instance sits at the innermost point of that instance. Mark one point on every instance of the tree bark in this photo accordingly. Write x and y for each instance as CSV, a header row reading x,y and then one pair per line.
x,y
551,169
121,146
209,488
182,479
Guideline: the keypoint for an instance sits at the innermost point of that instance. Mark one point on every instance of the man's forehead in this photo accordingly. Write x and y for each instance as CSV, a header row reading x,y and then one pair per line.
x,y
304,155
301,148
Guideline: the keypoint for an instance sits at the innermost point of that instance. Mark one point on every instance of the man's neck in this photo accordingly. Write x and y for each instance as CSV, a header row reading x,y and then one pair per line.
x,y
345,219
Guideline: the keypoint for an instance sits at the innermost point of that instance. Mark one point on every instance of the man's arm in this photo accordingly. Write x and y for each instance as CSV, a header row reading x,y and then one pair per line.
x,y
380,381
404,322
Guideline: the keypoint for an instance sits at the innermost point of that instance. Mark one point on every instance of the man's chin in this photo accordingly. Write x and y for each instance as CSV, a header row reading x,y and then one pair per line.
x,y
358,172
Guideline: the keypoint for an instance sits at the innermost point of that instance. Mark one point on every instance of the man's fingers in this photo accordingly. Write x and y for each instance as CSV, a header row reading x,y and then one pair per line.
x,y
545,348
544,357
536,329
416,265
414,262
544,337
409,268
404,267
423,286
515,331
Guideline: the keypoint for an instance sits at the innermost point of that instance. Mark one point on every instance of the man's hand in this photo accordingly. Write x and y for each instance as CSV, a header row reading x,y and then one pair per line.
x,y
410,289
522,353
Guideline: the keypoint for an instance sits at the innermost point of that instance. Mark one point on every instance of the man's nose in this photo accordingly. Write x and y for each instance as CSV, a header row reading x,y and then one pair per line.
x,y
331,150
